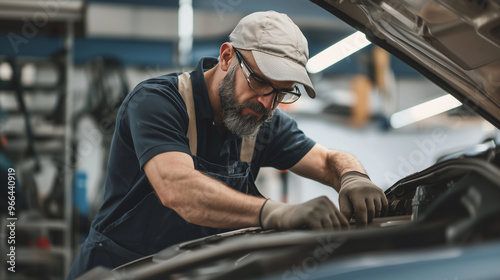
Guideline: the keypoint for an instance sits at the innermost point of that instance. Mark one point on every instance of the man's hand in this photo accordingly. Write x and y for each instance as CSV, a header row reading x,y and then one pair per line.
x,y
360,198
319,213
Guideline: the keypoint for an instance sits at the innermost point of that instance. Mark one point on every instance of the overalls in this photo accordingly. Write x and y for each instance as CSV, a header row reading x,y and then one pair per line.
x,y
150,221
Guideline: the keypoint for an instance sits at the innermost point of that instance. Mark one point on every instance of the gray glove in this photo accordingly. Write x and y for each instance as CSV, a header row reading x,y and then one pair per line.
x,y
319,213
358,196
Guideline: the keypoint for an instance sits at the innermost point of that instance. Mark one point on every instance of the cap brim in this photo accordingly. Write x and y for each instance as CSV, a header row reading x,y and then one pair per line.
x,y
283,69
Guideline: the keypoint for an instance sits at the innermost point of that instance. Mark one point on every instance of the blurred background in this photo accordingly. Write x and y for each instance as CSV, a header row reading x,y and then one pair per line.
x,y
65,67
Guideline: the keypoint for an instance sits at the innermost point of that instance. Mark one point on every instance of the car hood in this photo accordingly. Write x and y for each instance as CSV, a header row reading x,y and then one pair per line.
x,y
456,44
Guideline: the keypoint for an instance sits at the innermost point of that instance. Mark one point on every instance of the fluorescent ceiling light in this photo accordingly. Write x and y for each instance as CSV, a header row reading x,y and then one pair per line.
x,y
5,71
337,52
185,29
424,111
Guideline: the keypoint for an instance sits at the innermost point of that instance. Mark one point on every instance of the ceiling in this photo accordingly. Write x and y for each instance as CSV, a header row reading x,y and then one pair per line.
x,y
136,37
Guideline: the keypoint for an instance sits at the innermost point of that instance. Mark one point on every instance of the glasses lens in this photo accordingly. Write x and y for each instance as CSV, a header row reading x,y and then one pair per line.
x,y
259,86
287,97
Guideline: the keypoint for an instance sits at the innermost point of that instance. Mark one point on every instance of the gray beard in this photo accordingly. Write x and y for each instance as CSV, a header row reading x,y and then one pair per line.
x,y
232,116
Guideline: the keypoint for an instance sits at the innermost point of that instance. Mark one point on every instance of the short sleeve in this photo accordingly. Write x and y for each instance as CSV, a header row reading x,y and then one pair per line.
x,y
158,121
284,143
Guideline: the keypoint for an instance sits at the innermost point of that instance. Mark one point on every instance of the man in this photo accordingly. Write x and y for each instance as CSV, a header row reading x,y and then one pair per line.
x,y
187,148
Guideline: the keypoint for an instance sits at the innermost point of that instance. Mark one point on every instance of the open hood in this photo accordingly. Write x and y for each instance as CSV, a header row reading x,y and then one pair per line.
x,y
454,43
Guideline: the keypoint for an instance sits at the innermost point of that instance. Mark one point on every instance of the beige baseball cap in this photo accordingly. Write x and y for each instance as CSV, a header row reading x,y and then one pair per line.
x,y
278,46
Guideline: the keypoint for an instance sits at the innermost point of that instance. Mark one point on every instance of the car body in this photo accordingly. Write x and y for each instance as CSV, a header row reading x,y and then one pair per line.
x,y
443,222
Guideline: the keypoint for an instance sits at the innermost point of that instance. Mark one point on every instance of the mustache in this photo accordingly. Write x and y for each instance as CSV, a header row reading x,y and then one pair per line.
x,y
258,108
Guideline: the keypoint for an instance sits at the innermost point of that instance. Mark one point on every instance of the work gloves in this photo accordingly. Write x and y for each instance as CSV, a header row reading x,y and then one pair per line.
x,y
360,198
319,213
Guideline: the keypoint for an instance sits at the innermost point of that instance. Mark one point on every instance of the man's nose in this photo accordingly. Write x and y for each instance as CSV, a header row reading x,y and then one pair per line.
x,y
267,101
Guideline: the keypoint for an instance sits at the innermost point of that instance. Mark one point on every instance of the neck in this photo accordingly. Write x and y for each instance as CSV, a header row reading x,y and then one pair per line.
x,y
213,79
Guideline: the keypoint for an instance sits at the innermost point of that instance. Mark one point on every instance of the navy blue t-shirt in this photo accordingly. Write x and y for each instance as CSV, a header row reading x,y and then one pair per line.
x,y
153,120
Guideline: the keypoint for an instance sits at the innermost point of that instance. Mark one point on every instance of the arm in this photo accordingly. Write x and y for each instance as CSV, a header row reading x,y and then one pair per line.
x,y
204,201
198,198
326,166
358,196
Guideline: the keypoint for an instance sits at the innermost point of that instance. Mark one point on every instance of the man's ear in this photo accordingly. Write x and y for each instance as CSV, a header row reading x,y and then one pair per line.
x,y
227,56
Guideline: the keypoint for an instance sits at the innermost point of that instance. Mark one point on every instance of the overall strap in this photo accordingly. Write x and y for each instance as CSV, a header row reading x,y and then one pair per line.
x,y
247,148
186,91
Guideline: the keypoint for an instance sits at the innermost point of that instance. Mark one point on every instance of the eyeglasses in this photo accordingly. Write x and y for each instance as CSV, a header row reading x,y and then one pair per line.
x,y
264,88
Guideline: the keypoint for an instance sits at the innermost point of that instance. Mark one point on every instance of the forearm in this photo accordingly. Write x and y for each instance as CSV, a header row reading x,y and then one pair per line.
x,y
338,163
201,200
326,166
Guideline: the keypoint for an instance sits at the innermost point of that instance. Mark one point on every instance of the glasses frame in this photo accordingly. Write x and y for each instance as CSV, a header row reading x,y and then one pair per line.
x,y
295,95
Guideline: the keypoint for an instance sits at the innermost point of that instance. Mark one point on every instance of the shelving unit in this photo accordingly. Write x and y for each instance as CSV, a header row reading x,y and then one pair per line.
x,y
51,137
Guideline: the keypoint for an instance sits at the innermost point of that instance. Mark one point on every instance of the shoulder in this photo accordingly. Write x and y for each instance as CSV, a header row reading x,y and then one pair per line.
x,y
166,84
154,99
150,92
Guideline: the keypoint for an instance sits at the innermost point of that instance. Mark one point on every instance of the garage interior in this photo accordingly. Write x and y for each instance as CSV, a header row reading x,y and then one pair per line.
x,y
66,65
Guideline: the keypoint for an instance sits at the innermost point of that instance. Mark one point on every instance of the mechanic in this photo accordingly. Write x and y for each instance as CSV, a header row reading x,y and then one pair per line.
x,y
187,148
